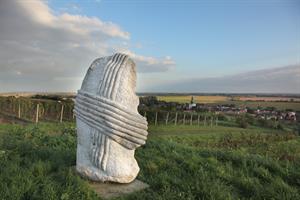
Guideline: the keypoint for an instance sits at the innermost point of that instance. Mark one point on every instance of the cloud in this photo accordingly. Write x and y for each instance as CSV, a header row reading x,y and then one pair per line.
x,y
41,50
274,80
151,64
39,12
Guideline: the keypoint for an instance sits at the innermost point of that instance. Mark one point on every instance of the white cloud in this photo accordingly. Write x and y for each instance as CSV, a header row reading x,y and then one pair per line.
x,y
41,13
37,45
151,64
38,11
89,25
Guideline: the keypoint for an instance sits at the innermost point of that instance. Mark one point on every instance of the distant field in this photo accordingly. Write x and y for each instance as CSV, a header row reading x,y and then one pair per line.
x,y
267,99
239,101
197,99
278,105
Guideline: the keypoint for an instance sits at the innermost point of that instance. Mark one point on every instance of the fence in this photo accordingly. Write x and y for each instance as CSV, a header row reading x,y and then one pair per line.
x,y
180,118
33,110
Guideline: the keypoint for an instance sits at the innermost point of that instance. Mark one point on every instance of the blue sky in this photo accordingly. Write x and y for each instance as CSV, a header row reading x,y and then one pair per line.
x,y
208,37
171,41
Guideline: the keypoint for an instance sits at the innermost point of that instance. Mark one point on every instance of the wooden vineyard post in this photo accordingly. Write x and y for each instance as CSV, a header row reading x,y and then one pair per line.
x,y
19,110
37,113
145,114
191,120
11,107
176,118
184,119
155,123
73,114
167,118
61,113
198,120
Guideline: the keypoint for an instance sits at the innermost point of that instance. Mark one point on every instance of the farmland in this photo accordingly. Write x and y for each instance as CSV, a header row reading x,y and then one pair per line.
x,y
280,103
197,99
178,162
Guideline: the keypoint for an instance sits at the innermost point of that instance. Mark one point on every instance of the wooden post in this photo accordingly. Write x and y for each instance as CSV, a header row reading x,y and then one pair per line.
x,y
19,110
176,118
198,120
61,113
37,113
204,120
145,114
155,119
73,114
217,121
12,107
184,119
191,120
167,118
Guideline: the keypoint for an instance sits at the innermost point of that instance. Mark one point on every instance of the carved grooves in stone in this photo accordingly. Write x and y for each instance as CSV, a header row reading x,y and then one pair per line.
x,y
133,133
99,149
115,80
100,113
111,75
112,106
108,68
112,117
122,138
123,129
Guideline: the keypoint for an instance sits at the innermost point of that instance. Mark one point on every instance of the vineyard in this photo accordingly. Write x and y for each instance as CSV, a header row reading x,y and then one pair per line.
x,y
35,110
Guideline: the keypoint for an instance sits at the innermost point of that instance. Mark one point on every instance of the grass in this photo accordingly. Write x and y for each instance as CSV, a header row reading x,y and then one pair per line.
x,y
227,100
178,162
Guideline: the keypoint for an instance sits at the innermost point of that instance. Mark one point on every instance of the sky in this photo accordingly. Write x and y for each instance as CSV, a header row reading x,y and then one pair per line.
x,y
178,46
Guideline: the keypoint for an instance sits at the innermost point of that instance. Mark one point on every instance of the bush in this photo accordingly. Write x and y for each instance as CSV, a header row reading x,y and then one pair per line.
x,y
223,117
250,119
269,124
280,126
242,122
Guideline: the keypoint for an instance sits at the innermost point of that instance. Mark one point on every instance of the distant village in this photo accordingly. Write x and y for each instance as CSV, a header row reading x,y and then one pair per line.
x,y
271,113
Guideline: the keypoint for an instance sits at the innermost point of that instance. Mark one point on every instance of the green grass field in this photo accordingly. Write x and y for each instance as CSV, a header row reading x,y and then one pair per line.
x,y
227,100
178,162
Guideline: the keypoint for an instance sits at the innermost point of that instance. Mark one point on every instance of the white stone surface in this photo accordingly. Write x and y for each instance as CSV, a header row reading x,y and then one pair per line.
x,y
109,127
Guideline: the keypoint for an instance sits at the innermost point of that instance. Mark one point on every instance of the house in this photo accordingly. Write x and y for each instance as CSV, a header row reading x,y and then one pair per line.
x,y
192,104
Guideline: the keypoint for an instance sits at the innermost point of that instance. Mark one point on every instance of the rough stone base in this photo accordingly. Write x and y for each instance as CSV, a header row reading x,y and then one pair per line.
x,y
112,190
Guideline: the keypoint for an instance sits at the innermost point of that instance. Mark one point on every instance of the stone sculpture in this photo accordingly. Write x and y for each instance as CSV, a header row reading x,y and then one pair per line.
x,y
109,127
